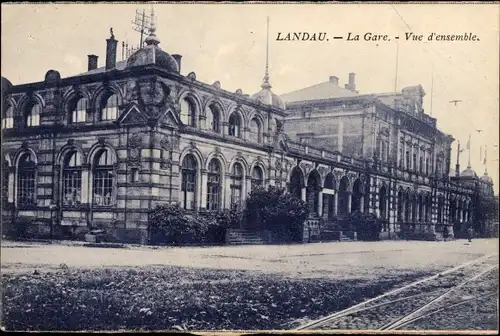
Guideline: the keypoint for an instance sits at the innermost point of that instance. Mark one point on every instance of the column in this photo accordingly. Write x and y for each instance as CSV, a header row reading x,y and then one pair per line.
x,y
225,128
303,194
10,195
349,200
56,186
320,203
203,197
244,190
362,203
245,133
336,203
85,185
248,184
326,209
226,192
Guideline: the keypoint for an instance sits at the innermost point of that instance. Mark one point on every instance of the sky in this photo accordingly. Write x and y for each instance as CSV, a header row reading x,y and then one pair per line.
x,y
227,42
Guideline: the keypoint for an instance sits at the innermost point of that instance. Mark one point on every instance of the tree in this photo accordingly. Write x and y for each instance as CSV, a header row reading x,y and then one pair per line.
x,y
278,212
485,213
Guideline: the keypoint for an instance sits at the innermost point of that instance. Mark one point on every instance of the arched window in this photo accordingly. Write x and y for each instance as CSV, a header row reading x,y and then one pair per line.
x,y
421,208
357,195
213,119
236,184
26,186
257,177
103,178
8,118
109,108
440,206
5,182
428,207
328,196
235,125
188,112
400,206
72,179
188,187
312,192
296,182
407,210
255,130
343,197
214,185
33,115
78,110
382,206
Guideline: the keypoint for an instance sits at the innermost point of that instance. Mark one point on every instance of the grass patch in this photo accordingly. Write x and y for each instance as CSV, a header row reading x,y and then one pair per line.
x,y
161,298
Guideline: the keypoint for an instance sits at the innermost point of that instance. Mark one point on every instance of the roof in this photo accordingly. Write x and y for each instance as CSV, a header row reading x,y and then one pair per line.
x,y
324,90
120,65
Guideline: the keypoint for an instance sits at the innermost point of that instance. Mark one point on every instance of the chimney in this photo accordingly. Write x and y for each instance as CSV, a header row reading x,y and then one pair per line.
x,y
178,60
92,62
352,82
334,80
111,51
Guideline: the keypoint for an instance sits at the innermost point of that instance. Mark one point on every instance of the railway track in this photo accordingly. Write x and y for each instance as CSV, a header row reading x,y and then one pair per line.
x,y
421,299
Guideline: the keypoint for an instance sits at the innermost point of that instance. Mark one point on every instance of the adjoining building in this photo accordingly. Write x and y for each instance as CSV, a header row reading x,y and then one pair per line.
x,y
102,148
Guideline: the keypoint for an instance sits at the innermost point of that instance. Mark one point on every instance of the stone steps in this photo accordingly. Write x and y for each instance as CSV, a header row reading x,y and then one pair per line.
x,y
244,237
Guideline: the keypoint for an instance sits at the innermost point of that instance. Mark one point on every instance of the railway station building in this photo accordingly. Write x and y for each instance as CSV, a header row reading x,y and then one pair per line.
x,y
102,148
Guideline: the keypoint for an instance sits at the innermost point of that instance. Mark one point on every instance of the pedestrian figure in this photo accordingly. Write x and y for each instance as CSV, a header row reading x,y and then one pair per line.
x,y
470,231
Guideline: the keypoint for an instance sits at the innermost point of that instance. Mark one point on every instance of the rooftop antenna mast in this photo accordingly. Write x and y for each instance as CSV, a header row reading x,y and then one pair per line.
x,y
141,23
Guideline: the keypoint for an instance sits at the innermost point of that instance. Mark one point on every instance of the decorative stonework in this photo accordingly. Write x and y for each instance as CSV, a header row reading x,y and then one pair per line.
x,y
134,151
191,76
278,165
322,171
216,85
166,143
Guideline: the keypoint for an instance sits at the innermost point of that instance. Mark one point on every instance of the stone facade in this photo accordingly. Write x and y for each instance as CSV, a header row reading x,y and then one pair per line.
x,y
103,148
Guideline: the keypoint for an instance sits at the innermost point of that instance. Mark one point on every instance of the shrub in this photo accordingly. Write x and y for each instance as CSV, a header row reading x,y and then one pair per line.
x,y
277,211
367,225
169,224
218,222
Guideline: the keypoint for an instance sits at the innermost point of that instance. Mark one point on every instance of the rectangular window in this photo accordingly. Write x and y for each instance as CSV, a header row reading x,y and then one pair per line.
x,y
103,187
72,187
213,192
33,120
26,188
7,122
414,166
78,116
109,113
236,192
188,188
407,166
